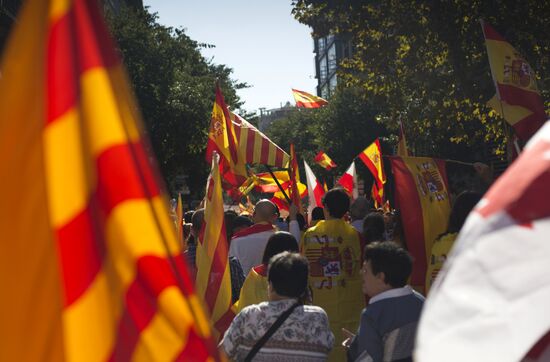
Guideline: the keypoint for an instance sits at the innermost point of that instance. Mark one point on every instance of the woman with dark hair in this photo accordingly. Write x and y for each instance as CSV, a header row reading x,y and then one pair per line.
x,y
373,227
464,203
254,288
282,328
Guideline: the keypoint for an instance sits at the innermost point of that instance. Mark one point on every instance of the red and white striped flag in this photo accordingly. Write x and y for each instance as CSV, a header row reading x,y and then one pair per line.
x,y
314,188
349,181
490,301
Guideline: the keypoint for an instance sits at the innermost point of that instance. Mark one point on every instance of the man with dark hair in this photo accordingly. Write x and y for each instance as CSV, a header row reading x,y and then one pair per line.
x,y
333,249
303,336
248,245
388,326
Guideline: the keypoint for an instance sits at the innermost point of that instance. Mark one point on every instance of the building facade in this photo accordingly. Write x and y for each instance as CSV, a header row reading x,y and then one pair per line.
x,y
329,51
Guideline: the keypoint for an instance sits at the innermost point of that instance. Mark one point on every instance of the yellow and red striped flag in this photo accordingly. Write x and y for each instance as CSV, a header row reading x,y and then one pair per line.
x,y
520,102
324,161
222,139
372,158
90,269
256,147
213,279
402,149
307,100
179,223
295,195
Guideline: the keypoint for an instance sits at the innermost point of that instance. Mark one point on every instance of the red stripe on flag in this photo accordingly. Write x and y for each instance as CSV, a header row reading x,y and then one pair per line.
x,y
413,222
61,68
194,349
279,158
223,323
250,143
318,192
264,157
217,269
124,174
491,33
81,251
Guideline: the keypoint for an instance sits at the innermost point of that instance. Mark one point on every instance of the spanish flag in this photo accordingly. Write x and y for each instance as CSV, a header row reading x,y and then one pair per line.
x,y
518,99
307,100
90,268
213,278
421,193
372,158
222,139
324,161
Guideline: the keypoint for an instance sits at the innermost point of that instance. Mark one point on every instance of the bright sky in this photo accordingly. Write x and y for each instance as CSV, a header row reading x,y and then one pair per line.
x,y
266,47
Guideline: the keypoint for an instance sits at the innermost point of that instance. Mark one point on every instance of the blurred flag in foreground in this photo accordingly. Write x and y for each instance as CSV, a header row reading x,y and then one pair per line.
x,y
324,161
90,267
306,100
490,301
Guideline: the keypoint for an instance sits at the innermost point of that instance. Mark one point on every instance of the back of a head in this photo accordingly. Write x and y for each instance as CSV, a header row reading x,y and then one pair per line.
x,y
277,243
265,211
241,222
336,201
229,216
359,208
464,203
391,259
374,227
288,273
197,220
317,213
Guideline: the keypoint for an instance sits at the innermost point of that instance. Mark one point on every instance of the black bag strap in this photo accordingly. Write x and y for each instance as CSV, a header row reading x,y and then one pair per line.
x,y
270,332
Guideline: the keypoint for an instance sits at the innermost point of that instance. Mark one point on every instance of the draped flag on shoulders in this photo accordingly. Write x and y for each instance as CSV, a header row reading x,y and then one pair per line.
x,y
307,100
222,139
256,147
294,173
314,188
372,158
518,99
402,149
421,192
90,267
324,161
348,181
213,278
494,286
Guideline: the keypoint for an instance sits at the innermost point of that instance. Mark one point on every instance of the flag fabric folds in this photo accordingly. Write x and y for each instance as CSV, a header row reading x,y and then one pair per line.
x,y
294,173
402,149
422,195
256,147
377,195
518,98
91,269
324,161
222,139
348,181
314,188
500,261
372,158
179,222
213,279
307,100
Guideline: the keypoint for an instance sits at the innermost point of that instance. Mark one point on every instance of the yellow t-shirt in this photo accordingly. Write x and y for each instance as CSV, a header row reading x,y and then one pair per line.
x,y
333,249
440,249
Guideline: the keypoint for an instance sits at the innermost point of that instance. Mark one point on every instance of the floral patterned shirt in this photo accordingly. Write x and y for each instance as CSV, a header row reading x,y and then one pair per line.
x,y
304,336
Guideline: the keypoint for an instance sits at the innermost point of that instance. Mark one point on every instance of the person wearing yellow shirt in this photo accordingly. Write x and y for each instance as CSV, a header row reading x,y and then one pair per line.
x,y
254,288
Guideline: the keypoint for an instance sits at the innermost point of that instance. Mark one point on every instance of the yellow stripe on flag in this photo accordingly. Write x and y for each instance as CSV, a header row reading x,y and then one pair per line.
x,y
512,114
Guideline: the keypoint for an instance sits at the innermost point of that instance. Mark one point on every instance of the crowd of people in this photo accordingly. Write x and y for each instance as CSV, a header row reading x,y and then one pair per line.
x,y
334,289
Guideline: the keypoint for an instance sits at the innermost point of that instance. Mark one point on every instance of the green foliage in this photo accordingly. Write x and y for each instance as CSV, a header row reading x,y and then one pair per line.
x,y
425,62
174,85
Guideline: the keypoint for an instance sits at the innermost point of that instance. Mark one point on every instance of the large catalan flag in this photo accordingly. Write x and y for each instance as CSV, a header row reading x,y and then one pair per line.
x,y
307,100
213,278
421,193
520,102
90,268
256,147
223,140
324,161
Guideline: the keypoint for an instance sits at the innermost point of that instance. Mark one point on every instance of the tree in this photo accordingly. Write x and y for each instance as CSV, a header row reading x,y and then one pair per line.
x,y
424,62
174,85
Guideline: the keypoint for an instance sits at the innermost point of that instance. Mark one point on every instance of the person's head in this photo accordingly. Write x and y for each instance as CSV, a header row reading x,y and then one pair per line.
x,y
336,203
277,243
317,214
386,266
265,211
241,222
464,203
197,220
374,227
229,216
359,208
287,275
188,216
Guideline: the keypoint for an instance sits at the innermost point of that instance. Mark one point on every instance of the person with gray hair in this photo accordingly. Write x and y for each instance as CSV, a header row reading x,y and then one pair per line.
x,y
358,209
248,244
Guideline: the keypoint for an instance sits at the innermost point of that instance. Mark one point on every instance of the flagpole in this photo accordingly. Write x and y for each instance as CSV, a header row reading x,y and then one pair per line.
x,y
278,184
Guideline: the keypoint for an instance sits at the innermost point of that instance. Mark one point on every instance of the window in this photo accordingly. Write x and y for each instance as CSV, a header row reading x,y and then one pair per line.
x,y
324,92
332,83
323,70
321,46
332,58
